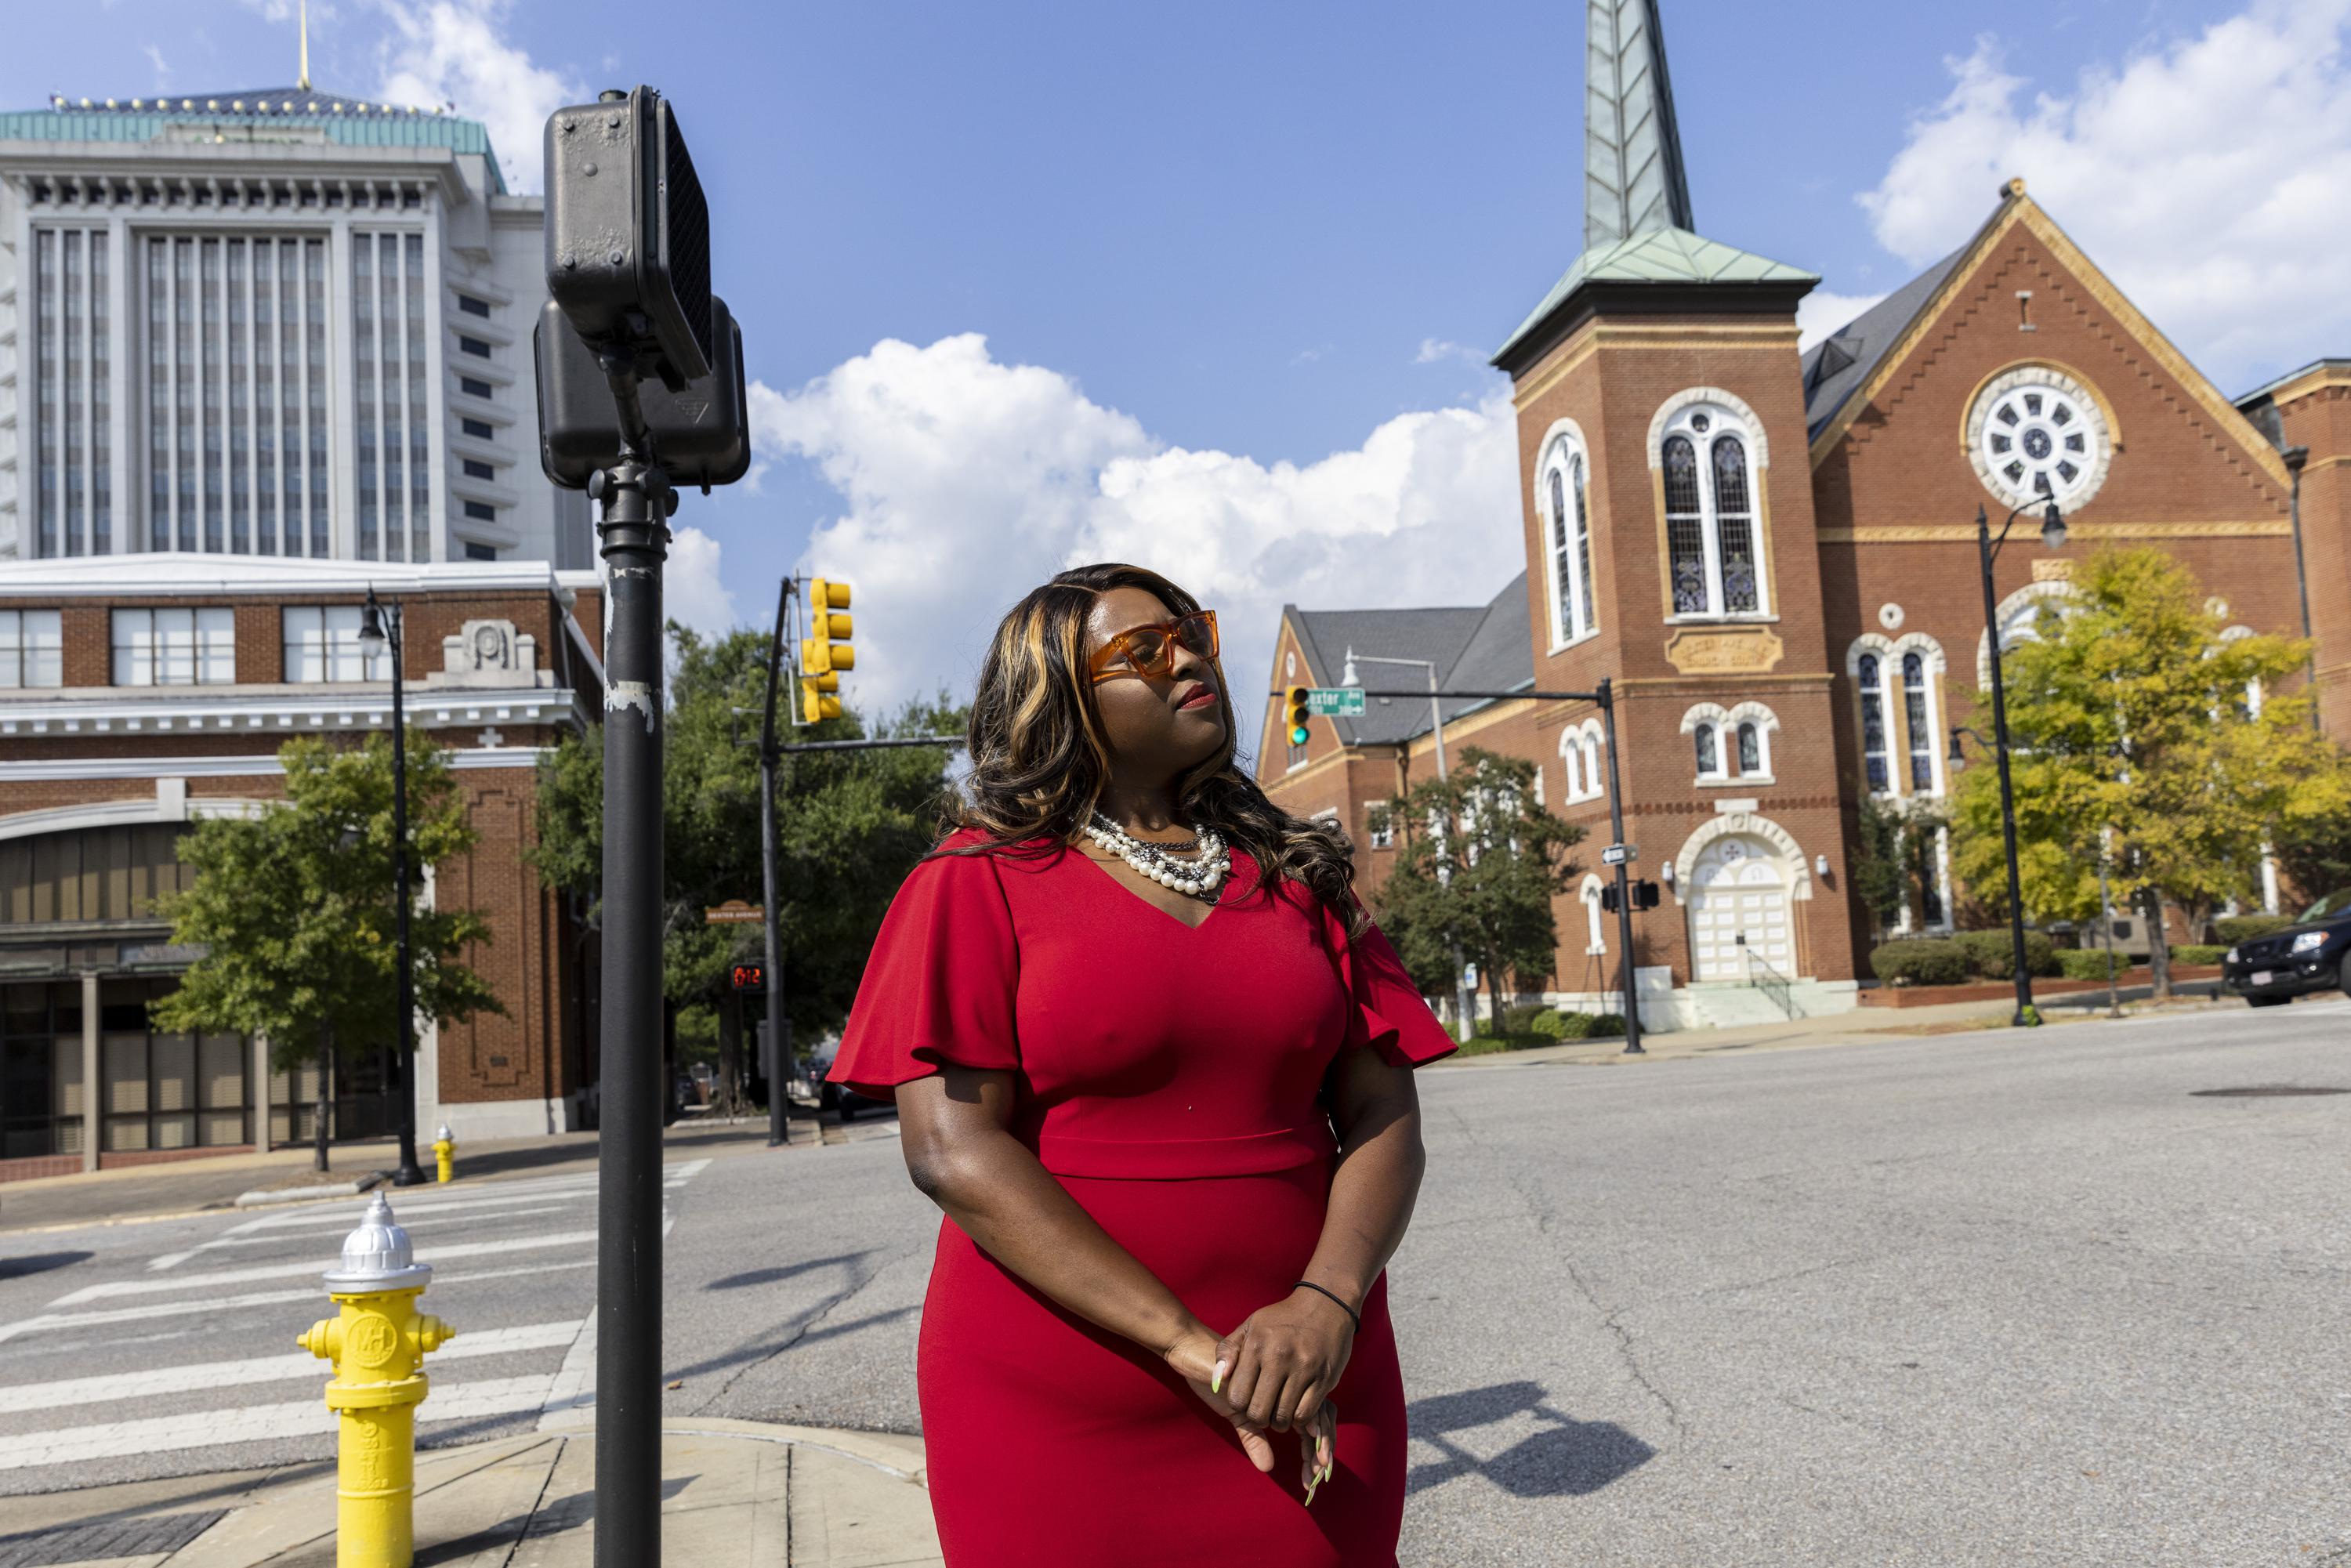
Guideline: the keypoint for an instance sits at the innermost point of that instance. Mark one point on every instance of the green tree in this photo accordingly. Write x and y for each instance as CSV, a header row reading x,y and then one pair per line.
x,y
1484,887
851,826
2139,732
1894,856
295,913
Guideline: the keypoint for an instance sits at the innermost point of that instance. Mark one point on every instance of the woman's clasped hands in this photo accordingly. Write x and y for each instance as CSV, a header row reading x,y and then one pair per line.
x,y
1275,1374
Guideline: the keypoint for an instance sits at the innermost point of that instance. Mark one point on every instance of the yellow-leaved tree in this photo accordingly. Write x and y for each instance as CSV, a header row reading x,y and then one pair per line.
x,y
2143,734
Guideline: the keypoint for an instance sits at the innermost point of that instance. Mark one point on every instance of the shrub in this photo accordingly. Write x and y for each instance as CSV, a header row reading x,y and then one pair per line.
x,y
1992,953
1524,1017
2090,964
1550,1022
1607,1026
2236,928
1559,1025
2196,952
1921,961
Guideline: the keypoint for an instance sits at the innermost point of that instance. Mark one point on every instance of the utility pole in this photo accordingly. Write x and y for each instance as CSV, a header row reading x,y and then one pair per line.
x,y
1628,976
778,1064
373,638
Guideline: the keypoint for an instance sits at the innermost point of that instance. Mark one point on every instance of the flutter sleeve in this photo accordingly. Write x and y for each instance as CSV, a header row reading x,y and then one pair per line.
x,y
939,985
1389,1015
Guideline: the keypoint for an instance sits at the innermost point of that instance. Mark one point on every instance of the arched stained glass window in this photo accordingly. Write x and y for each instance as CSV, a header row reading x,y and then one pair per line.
x,y
1582,547
1686,529
1705,456
1873,724
1917,717
1735,523
1709,757
1568,522
1751,749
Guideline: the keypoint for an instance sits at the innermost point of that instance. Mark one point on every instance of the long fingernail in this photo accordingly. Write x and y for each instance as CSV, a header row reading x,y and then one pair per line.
x,y
1217,1379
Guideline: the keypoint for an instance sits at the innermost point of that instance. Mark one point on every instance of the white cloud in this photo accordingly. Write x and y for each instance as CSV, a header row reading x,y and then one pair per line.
x,y
163,66
1432,349
1820,313
454,51
694,586
968,481
2211,178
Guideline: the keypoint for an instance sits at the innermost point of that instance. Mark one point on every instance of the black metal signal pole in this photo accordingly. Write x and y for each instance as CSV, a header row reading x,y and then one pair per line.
x,y
779,1043
1633,1046
632,530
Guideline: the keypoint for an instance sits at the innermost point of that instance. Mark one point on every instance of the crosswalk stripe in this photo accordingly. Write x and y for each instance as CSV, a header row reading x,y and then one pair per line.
x,y
153,1310
280,1238
73,1391
254,1424
308,1266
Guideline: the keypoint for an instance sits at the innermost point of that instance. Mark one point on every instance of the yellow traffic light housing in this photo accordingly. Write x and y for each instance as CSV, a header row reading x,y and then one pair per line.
x,y
825,649
1299,733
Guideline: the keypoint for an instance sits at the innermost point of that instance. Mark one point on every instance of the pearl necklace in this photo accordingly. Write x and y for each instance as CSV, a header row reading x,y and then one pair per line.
x,y
1200,877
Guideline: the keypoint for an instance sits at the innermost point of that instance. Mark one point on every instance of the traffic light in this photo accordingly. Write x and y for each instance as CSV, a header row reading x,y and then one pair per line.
x,y
825,650
1299,733
749,977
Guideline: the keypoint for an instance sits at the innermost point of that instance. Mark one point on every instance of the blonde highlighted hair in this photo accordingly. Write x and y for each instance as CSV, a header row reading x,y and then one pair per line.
x,y
1039,760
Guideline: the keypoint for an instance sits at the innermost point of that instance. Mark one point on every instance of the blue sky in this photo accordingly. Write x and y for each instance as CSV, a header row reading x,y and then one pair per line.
x,y
1247,231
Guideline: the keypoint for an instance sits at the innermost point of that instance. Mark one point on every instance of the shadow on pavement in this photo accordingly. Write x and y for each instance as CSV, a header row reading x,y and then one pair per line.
x,y
39,1263
1570,1457
772,1276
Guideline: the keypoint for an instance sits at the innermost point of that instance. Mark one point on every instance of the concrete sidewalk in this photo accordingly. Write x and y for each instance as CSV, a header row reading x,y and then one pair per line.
x,y
734,1494
1856,1026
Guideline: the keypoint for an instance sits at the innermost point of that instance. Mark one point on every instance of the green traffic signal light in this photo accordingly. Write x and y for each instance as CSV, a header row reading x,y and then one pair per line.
x,y
1299,733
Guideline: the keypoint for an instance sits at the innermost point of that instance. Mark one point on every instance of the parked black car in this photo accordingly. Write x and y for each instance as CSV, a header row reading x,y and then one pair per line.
x,y
2307,957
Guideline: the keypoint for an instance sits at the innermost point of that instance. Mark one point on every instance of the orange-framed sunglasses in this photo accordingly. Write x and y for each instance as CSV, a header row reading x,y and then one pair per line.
x,y
1150,650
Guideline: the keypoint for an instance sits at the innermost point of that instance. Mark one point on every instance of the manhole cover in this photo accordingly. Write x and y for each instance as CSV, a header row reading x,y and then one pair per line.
x,y
2263,1092
95,1542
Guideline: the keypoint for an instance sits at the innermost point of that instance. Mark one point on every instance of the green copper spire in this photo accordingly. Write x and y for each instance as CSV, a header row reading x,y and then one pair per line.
x,y
1633,179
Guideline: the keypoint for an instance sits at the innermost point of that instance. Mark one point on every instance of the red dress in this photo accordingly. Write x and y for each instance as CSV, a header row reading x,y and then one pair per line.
x,y
1167,1076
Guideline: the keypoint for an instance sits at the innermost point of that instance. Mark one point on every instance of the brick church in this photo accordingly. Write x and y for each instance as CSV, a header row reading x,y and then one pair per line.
x,y
1772,554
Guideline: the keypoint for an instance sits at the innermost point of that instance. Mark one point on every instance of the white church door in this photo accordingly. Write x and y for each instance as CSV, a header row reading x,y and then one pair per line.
x,y
1739,903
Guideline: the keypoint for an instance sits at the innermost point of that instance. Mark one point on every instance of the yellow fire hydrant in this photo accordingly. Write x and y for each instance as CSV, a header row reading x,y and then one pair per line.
x,y
445,1152
377,1343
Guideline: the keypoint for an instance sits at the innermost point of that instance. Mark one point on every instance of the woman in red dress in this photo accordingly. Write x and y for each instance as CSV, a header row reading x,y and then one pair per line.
x,y
1154,1064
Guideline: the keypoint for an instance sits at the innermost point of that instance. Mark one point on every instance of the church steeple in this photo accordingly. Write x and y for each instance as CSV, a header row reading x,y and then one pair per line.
x,y
1633,179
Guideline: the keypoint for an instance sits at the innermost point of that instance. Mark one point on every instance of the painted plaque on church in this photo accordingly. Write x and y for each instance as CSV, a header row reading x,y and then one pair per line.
x,y
1724,649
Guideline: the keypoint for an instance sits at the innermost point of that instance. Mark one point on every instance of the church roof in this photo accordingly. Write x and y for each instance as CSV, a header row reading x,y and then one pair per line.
x,y
1672,256
345,119
1477,647
1837,366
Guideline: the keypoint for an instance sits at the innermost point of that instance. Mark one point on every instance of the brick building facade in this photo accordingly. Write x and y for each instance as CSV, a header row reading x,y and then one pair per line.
x,y
138,694
1771,555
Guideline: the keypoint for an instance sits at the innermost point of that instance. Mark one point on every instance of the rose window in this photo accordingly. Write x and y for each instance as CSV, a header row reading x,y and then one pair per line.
x,y
2036,435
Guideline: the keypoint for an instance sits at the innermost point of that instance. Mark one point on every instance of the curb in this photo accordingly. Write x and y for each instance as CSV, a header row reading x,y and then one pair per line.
x,y
321,1192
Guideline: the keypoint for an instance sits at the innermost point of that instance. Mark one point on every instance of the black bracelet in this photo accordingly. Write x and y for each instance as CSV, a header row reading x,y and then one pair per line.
x,y
1353,1316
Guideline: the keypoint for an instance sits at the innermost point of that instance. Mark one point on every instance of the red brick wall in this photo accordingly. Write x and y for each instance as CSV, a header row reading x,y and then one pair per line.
x,y
2317,414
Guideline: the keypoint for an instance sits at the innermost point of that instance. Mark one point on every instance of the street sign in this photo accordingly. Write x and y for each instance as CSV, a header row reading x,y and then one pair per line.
x,y
734,912
1619,854
1337,702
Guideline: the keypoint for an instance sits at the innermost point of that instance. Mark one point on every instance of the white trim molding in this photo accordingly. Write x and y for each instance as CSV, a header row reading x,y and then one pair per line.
x,y
172,710
2031,594
1759,445
167,806
1799,870
266,766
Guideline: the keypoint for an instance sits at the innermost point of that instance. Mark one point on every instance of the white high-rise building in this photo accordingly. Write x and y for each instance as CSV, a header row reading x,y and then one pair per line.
x,y
273,322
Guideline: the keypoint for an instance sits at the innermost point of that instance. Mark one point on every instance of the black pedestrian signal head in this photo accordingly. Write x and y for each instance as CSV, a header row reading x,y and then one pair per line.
x,y
628,234
701,436
749,977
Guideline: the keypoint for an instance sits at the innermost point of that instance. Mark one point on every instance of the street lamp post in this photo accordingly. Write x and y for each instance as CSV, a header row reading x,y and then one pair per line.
x,y
380,629
2052,536
1436,728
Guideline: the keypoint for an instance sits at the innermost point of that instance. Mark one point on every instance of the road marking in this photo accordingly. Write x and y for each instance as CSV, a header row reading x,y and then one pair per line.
x,y
281,1238
253,1424
191,1379
151,1311
310,1266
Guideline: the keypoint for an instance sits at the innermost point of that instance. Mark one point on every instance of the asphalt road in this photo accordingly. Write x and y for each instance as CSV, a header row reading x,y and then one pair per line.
x,y
1979,1299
